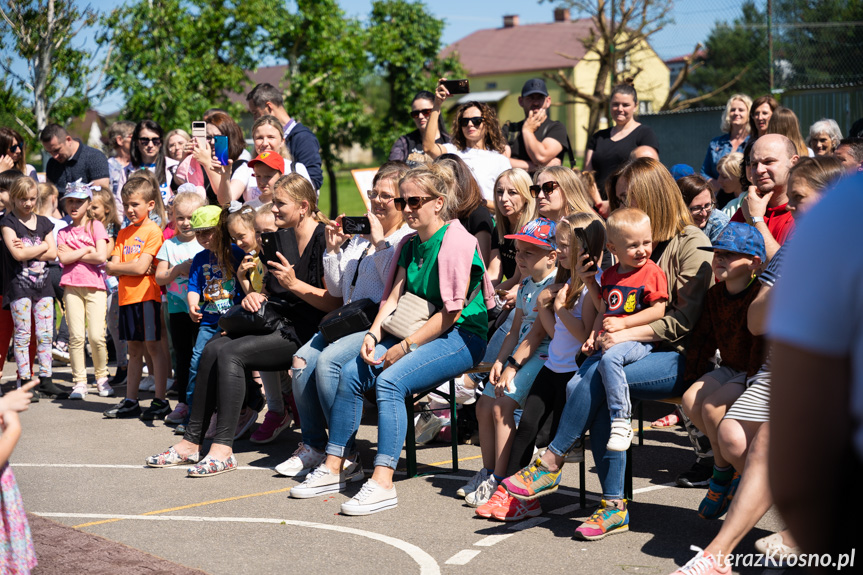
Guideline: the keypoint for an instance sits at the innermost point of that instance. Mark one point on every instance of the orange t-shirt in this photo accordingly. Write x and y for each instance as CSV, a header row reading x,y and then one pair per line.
x,y
132,241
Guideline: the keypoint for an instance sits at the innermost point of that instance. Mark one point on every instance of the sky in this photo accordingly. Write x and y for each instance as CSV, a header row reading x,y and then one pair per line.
x,y
692,22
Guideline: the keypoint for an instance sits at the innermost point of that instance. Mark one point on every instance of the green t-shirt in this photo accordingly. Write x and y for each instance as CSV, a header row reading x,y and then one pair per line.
x,y
422,279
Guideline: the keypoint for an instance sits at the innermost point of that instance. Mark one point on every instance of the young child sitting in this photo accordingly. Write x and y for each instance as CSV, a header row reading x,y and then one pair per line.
x,y
513,375
737,253
634,293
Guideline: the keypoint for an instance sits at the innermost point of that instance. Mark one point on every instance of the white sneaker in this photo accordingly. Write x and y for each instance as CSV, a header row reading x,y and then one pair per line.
x,y
371,499
322,481
474,482
148,383
576,454
426,426
301,462
104,388
79,391
483,493
621,434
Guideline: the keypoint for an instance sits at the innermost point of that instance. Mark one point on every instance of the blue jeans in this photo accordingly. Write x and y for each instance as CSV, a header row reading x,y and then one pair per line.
x,y
315,385
446,357
657,376
205,334
611,364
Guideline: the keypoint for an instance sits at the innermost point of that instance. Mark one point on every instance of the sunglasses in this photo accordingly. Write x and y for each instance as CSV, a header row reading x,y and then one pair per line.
x,y
373,195
15,148
155,141
417,113
415,202
547,188
476,121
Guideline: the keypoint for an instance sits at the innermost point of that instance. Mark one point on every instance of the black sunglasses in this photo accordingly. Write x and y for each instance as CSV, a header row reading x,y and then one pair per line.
x,y
417,113
476,121
15,148
547,188
154,141
415,202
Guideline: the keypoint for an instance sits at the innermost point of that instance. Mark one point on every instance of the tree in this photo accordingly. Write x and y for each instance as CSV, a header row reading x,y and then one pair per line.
x,y
326,66
174,59
41,33
634,22
406,40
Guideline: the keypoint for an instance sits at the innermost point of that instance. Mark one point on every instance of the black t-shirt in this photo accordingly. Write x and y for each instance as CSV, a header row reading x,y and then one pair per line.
x,y
608,155
507,254
309,268
512,132
87,164
409,149
478,221
28,279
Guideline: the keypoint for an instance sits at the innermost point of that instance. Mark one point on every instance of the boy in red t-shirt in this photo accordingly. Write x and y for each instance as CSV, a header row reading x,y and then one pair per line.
x,y
634,293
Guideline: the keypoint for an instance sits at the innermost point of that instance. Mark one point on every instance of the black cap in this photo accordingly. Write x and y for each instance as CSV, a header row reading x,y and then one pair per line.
x,y
534,86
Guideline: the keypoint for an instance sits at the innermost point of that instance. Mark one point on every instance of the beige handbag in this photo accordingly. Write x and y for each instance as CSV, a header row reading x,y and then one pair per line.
x,y
410,314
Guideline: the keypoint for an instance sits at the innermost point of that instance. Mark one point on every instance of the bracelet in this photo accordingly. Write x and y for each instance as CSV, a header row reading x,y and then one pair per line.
x,y
511,361
374,337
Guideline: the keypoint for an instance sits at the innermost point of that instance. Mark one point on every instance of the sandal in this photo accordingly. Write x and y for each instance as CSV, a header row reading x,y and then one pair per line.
x,y
669,420
170,458
211,466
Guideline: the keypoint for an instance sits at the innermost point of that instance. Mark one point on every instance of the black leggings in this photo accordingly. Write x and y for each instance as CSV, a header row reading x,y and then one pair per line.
x,y
225,366
546,398
184,333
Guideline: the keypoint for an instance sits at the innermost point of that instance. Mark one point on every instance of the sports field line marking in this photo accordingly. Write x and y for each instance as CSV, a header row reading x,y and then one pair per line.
x,y
462,557
448,461
120,466
427,563
654,488
493,539
532,522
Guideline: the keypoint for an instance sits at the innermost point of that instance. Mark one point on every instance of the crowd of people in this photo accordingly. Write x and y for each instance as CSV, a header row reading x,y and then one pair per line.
x,y
221,283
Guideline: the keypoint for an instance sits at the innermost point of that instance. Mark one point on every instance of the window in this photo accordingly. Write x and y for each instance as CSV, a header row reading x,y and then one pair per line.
x,y
645,107
624,63
490,85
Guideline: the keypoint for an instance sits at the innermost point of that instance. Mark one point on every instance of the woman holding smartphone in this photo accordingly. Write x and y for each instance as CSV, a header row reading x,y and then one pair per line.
x,y
228,181
409,148
441,264
476,139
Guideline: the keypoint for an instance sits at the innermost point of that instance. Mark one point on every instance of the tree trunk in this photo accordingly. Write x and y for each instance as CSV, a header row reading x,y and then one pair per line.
x,y
334,187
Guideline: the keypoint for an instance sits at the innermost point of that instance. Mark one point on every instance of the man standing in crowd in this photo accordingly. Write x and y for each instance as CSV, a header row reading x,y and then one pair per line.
x,y
771,160
72,160
537,141
266,99
850,153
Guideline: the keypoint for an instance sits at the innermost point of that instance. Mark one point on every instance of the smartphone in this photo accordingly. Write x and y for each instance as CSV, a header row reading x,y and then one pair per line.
x,y
356,225
457,86
581,236
269,247
221,149
199,133
282,241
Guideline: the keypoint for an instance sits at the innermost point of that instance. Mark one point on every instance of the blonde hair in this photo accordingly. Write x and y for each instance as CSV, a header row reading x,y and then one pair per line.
x,y
651,188
725,126
595,237
571,185
299,190
268,120
189,198
436,180
153,195
625,219
23,186
47,190
520,180
107,199
264,209
729,166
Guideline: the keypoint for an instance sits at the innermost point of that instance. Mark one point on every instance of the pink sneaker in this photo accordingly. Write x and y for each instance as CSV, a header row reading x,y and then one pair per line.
x,y
274,423
104,388
211,431
178,415
248,417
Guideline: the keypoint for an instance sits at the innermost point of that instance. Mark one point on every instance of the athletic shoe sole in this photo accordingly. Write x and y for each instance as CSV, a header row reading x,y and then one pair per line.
x,y
214,473
527,514
310,492
359,510
583,537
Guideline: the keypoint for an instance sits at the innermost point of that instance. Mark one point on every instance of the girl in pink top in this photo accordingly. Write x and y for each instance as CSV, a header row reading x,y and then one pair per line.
x,y
82,248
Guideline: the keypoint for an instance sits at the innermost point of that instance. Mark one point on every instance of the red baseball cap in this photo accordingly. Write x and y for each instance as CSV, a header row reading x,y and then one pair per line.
x,y
271,159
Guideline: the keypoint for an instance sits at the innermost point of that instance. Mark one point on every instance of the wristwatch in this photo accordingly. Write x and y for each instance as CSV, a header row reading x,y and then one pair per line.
x,y
511,361
756,219
411,345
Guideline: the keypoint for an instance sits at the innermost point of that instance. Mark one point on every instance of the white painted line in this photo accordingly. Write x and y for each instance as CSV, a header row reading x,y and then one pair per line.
x,y
112,466
653,488
493,539
533,521
462,557
428,566
566,509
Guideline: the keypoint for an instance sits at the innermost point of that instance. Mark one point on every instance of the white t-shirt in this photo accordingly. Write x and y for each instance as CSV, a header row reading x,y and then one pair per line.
x,y
564,346
486,166
252,191
823,312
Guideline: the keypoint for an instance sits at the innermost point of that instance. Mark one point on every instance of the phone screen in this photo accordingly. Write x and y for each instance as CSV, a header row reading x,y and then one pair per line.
x,y
221,149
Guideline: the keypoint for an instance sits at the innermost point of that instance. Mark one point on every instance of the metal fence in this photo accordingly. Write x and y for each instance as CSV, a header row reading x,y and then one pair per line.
x,y
683,136
841,103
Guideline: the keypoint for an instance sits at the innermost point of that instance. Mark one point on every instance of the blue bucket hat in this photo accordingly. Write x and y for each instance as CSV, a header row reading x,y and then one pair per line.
x,y
539,232
681,170
739,238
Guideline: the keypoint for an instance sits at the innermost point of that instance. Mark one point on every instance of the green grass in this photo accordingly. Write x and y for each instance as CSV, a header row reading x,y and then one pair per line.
x,y
350,201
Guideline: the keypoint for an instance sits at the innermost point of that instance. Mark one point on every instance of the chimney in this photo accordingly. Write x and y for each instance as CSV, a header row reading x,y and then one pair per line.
x,y
561,14
510,21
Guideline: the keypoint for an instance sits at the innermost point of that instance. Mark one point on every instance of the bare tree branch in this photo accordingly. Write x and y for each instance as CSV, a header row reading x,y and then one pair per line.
x,y
687,103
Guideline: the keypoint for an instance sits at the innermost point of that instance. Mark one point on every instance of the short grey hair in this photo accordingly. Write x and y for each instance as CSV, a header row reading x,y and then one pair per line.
x,y
825,126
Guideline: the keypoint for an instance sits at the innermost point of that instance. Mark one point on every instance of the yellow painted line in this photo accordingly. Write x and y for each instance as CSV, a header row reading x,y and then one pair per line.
x,y
190,506
448,461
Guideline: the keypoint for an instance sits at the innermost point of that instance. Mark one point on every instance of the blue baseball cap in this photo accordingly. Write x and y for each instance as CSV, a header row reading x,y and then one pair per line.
x,y
534,86
739,238
681,170
539,232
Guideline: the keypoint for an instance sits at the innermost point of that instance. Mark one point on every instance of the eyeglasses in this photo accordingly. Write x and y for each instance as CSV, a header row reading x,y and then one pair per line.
x,y
385,198
417,113
15,147
155,141
415,202
547,188
706,208
476,121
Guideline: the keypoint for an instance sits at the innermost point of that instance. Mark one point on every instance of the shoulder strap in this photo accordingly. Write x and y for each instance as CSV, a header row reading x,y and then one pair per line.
x,y
357,271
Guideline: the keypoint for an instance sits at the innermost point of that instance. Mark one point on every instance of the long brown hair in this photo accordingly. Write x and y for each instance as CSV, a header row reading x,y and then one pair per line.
x,y
467,192
493,136
770,101
784,122
8,136
595,233
818,173
222,236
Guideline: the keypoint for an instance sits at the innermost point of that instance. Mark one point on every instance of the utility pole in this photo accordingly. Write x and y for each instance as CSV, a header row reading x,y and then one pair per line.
x,y
611,55
770,42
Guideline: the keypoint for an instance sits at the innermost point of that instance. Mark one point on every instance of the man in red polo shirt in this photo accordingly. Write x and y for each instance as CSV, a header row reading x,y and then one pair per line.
x,y
765,205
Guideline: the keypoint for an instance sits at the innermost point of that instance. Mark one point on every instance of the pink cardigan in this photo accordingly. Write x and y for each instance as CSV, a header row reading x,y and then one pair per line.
x,y
454,263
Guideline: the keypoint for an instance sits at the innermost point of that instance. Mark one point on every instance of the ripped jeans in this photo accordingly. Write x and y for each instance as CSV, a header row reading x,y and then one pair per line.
x,y
315,385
